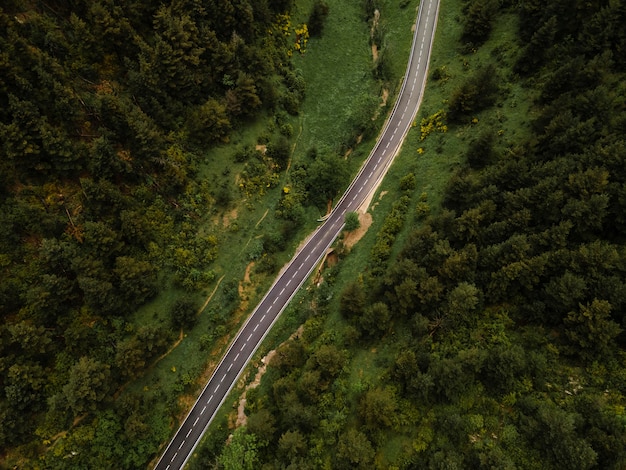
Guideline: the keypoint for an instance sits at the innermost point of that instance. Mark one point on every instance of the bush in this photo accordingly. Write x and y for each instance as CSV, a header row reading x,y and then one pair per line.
x,y
351,221
407,183
279,151
477,93
183,314
480,152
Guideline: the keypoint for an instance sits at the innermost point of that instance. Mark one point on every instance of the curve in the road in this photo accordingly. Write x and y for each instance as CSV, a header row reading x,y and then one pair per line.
x,y
302,264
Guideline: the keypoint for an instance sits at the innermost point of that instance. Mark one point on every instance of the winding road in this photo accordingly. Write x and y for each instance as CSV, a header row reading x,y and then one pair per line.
x,y
302,264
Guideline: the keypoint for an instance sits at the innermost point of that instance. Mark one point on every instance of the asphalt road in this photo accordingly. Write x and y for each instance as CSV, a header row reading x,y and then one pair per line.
x,y
302,264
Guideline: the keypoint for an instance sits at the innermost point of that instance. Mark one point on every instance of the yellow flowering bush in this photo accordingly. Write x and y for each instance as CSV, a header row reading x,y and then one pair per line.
x,y
433,123
302,37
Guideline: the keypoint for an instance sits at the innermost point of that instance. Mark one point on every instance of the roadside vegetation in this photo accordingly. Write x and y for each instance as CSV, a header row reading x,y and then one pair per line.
x,y
479,323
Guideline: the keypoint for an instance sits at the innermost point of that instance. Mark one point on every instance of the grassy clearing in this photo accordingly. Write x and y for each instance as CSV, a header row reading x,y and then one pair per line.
x,y
337,67
341,57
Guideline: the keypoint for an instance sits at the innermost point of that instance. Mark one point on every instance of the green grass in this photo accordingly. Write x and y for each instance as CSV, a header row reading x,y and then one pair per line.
x,y
338,72
337,68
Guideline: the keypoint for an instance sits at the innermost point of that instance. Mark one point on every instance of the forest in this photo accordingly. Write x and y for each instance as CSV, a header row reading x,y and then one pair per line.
x,y
486,331
106,111
485,325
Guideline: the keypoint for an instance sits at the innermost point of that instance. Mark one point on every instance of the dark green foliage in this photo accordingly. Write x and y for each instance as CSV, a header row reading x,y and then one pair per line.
x,y
317,18
386,237
280,151
477,20
480,152
378,408
478,92
354,450
352,301
351,221
87,385
184,314
326,176
407,183
241,452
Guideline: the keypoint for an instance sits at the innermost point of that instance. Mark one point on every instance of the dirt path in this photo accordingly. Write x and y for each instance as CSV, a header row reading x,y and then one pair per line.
x,y
242,419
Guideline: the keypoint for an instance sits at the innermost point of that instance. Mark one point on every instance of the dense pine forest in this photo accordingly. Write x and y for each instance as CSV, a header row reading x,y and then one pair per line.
x,y
487,332
106,109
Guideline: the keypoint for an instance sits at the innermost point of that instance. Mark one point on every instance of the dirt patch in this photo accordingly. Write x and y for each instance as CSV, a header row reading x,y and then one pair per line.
x,y
261,148
331,259
372,32
384,97
229,217
246,276
379,198
245,285
350,238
